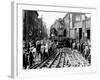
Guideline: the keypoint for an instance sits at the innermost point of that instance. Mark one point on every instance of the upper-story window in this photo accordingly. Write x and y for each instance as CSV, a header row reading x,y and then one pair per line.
x,y
78,18
83,17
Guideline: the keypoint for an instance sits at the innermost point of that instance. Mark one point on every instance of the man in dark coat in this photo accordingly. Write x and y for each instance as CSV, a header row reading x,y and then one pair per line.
x,y
31,58
38,47
25,61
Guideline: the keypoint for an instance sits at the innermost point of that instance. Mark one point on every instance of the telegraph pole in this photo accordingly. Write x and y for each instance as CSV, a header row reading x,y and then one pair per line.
x,y
69,25
69,31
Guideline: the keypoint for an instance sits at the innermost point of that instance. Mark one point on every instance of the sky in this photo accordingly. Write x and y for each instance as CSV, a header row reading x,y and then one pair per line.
x,y
50,17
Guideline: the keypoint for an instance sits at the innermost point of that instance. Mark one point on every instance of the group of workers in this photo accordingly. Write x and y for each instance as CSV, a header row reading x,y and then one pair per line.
x,y
37,52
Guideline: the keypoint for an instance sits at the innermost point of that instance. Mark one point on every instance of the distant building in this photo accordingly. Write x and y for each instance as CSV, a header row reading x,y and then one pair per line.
x,y
77,26
33,27
30,24
82,27
67,24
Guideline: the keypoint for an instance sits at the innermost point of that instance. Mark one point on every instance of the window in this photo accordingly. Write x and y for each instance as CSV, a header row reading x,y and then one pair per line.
x,y
78,18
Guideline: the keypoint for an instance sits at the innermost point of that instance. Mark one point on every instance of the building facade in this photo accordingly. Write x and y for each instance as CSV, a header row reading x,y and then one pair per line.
x,y
77,26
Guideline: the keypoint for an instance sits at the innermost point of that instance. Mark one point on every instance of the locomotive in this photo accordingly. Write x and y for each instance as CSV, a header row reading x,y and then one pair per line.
x,y
58,34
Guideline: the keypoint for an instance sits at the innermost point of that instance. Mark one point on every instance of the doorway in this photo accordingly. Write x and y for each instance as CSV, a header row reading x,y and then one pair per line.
x,y
80,33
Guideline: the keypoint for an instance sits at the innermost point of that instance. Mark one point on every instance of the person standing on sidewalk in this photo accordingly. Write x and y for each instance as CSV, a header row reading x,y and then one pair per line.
x,y
46,49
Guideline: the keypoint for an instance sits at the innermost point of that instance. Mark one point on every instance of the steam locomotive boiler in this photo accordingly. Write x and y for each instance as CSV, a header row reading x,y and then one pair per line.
x,y
58,34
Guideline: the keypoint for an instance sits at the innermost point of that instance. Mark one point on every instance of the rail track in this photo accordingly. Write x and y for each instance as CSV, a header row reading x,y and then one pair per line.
x,y
63,58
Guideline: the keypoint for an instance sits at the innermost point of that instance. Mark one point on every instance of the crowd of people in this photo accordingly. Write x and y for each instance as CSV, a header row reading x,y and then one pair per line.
x,y
40,50
36,52
84,48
